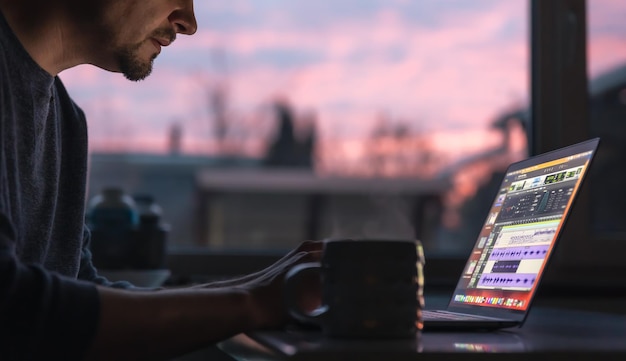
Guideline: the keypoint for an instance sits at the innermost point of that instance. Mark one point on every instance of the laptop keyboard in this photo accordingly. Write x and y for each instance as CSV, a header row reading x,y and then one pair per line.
x,y
447,315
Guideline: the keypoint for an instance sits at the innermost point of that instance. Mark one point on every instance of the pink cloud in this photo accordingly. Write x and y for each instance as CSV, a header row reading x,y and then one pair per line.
x,y
606,53
461,73
367,79
420,87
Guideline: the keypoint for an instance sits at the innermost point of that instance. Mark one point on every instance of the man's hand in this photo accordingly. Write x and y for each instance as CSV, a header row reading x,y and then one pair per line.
x,y
312,248
267,288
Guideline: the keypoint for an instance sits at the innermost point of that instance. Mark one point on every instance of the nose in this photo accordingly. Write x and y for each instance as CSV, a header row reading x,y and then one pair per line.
x,y
184,19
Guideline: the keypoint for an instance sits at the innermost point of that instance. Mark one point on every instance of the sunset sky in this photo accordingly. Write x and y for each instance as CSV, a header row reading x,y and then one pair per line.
x,y
440,66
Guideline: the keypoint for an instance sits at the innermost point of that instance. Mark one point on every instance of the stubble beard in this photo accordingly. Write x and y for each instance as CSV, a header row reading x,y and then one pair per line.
x,y
132,66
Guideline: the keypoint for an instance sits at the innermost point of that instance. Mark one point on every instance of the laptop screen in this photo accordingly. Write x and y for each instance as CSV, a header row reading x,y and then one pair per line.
x,y
521,229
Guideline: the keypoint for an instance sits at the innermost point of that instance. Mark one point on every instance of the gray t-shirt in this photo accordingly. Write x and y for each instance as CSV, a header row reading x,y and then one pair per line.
x,y
48,309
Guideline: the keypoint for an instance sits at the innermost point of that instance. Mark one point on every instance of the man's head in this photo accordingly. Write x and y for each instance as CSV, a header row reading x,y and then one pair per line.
x,y
132,32
117,35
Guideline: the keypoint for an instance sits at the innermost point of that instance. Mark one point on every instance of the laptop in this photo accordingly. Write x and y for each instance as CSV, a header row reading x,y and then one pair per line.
x,y
521,229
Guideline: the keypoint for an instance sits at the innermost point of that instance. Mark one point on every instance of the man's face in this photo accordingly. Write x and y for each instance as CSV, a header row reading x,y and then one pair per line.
x,y
133,32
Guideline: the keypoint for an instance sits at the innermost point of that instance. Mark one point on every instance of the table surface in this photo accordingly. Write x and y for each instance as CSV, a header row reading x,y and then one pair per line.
x,y
567,333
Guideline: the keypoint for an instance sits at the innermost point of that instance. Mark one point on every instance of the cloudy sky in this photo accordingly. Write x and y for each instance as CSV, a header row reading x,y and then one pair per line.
x,y
435,65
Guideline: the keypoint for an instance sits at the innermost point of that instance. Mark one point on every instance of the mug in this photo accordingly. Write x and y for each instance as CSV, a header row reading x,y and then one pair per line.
x,y
371,288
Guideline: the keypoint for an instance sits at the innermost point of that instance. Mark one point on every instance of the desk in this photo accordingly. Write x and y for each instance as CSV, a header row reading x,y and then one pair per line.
x,y
566,334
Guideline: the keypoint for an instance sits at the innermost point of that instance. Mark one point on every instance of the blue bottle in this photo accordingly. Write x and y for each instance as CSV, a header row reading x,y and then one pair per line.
x,y
112,217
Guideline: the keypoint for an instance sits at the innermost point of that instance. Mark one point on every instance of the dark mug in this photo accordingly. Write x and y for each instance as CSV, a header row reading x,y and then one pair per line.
x,y
370,289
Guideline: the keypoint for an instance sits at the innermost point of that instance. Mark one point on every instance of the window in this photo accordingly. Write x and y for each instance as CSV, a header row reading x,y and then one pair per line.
x,y
576,95
284,119
607,93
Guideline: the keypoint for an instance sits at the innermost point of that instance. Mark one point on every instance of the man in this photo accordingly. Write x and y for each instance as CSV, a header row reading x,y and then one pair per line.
x,y
53,305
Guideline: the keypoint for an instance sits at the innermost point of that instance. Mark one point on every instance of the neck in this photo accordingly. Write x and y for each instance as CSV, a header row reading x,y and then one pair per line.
x,y
42,26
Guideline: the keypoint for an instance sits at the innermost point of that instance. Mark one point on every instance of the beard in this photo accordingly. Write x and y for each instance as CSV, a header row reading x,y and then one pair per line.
x,y
131,66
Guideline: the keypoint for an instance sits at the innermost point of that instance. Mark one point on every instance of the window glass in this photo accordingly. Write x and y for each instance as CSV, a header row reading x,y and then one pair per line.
x,y
607,83
283,120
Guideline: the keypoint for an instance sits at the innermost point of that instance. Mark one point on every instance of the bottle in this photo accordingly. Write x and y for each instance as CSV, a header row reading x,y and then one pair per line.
x,y
112,217
151,234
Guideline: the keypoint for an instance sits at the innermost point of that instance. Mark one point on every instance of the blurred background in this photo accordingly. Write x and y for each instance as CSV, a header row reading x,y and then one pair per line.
x,y
287,120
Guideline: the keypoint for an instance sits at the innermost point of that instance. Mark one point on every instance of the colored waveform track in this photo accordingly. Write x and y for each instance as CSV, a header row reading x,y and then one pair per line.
x,y
519,253
521,280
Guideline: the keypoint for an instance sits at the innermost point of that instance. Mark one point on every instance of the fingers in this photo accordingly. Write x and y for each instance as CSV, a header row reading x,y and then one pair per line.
x,y
310,246
314,256
268,287
306,246
307,256
314,247
288,262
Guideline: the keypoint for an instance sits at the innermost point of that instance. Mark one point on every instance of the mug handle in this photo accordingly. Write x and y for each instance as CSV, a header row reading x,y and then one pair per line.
x,y
315,316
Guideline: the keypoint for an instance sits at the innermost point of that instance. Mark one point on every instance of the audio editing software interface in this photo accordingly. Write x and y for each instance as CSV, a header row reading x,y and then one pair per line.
x,y
519,233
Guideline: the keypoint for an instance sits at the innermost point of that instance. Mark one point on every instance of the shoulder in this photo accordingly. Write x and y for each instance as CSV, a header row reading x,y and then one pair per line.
x,y
66,100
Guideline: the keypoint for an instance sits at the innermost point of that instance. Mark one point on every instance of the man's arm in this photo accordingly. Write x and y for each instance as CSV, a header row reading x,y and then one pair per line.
x,y
161,325
42,314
